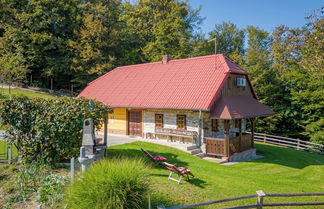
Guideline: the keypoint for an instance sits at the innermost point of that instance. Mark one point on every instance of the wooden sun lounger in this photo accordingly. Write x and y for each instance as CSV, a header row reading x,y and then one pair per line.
x,y
181,171
154,158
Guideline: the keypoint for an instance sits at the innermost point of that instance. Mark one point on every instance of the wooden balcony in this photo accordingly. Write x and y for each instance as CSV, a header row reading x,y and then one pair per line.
x,y
219,146
236,145
215,147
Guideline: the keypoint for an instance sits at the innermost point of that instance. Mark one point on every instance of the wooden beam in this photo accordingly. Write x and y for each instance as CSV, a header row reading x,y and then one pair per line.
x,y
226,138
127,122
252,131
240,135
106,129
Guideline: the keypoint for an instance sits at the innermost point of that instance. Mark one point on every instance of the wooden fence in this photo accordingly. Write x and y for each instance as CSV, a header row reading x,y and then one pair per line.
x,y
259,201
289,142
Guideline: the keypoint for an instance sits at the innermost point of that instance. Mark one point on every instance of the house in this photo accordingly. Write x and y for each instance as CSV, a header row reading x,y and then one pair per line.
x,y
206,101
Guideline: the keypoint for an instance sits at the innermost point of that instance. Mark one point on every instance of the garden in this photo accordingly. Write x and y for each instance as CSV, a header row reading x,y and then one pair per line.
x,y
46,134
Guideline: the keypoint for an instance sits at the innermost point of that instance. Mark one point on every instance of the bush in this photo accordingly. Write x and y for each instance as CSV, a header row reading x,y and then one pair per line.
x,y
48,130
27,180
50,191
110,184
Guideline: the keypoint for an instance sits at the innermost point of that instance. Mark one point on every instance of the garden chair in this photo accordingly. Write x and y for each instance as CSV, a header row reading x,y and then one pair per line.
x,y
181,171
152,157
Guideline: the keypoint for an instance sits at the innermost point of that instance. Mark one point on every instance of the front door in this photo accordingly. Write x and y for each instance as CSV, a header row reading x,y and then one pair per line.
x,y
134,123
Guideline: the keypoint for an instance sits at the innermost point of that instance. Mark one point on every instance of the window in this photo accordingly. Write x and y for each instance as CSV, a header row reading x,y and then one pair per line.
x,y
158,120
181,122
214,125
240,82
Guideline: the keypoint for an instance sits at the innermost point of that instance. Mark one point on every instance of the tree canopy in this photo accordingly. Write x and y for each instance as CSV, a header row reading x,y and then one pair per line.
x,y
66,44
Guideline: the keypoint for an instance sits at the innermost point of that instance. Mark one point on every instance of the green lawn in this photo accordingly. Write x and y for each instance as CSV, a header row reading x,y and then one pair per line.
x,y
3,150
282,170
30,94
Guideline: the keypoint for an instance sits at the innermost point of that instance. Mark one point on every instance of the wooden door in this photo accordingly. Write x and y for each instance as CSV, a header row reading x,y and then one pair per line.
x,y
135,123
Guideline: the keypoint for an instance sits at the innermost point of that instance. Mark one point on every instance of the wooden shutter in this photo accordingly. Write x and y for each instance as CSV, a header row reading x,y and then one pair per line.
x,y
181,122
158,120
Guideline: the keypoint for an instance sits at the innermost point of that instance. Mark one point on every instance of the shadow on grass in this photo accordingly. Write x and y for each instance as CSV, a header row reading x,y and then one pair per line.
x,y
171,158
133,153
287,156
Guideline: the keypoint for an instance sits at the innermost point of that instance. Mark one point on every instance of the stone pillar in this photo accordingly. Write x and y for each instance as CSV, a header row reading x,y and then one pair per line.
x,y
89,139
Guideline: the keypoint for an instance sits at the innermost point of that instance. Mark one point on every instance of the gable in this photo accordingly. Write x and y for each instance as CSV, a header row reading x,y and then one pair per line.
x,y
230,88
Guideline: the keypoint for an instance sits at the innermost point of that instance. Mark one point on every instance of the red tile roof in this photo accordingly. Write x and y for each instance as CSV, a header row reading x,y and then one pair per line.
x,y
239,106
190,83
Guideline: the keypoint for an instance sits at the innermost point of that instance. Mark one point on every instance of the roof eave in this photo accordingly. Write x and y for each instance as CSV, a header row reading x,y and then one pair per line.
x,y
167,108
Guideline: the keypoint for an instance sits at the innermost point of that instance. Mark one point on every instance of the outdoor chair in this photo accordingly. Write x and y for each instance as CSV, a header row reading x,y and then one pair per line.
x,y
181,171
152,157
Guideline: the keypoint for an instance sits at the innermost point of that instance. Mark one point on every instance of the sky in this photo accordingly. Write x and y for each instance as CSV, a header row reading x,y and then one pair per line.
x,y
266,14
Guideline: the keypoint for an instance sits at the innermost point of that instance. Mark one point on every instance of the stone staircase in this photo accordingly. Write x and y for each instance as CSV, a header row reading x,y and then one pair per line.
x,y
195,151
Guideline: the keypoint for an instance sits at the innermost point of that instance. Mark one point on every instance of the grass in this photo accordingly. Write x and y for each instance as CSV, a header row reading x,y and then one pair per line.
x,y
3,150
282,170
112,183
30,94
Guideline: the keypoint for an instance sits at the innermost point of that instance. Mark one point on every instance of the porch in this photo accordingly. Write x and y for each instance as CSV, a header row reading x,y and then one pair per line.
x,y
232,145
220,147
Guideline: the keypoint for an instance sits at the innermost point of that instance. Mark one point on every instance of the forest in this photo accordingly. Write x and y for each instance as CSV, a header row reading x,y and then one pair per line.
x,y
66,44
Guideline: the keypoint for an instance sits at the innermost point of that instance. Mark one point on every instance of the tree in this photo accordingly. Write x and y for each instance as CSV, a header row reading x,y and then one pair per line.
x,y
308,94
161,27
95,44
41,29
12,68
230,39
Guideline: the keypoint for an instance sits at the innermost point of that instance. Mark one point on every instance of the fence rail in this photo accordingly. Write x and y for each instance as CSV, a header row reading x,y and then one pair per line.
x,y
289,142
259,203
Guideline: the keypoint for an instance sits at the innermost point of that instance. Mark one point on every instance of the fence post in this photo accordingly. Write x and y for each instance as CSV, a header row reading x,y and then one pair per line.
x,y
160,207
264,138
260,194
72,170
298,144
9,152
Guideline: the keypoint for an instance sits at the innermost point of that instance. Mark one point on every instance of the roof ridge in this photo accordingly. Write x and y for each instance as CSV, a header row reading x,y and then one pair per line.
x,y
175,60
229,60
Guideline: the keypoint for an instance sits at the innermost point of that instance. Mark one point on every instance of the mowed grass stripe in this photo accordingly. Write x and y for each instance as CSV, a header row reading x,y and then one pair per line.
x,y
30,94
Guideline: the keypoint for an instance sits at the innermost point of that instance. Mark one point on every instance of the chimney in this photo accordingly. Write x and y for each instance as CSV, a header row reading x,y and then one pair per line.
x,y
166,59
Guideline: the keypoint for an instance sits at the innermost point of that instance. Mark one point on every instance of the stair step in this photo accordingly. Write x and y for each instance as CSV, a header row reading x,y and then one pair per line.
x,y
201,155
192,147
195,151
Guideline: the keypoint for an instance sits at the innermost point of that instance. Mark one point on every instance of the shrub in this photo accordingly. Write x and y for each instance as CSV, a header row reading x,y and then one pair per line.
x,y
110,184
27,180
48,130
50,190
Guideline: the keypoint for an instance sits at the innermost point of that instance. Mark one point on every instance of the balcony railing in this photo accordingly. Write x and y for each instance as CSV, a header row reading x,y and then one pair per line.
x,y
218,146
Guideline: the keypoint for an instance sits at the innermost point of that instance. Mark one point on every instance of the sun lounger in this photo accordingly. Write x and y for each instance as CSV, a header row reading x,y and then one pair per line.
x,y
154,158
181,171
